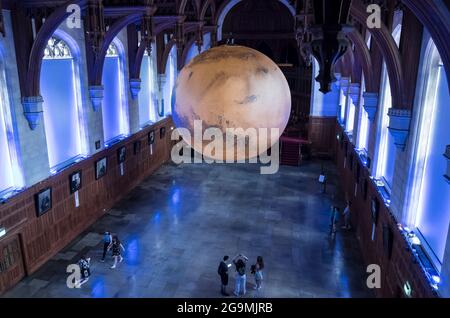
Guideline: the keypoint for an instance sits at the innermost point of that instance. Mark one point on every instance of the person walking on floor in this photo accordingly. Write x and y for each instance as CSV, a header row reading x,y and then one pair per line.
x,y
107,239
117,247
241,279
334,219
223,272
346,214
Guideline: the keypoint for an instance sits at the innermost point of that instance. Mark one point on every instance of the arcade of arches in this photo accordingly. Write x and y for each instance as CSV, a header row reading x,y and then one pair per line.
x,y
85,147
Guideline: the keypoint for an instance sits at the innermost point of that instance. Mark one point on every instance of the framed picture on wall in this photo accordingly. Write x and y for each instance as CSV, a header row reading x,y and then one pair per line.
x,y
162,132
43,201
137,147
151,137
75,181
121,154
100,168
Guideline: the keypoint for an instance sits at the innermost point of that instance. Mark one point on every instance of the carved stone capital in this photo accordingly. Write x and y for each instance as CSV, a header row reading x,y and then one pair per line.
x,y
399,122
32,110
96,95
370,104
354,91
135,87
345,83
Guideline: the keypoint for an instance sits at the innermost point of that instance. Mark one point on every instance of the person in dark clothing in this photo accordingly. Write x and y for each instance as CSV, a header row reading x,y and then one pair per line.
x,y
223,272
334,219
84,264
117,247
107,239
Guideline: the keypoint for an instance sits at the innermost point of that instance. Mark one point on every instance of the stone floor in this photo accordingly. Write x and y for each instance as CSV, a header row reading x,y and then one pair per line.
x,y
179,222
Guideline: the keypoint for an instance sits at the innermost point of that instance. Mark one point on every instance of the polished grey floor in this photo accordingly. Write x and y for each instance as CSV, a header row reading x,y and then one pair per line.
x,y
177,225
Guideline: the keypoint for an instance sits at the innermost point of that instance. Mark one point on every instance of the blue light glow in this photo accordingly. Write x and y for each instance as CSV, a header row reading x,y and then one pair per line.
x,y
193,50
115,115
98,288
386,153
171,74
148,100
156,218
132,251
62,121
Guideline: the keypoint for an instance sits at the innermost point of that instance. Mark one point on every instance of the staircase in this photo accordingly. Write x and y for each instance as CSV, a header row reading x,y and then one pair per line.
x,y
290,153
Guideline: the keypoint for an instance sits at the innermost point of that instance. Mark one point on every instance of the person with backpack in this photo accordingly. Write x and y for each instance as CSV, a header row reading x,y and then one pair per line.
x,y
241,279
223,272
107,239
85,270
116,250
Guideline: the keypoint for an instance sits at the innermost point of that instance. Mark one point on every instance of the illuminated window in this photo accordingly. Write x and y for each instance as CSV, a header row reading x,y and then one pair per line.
x,y
60,89
148,98
114,109
350,120
429,207
386,148
112,50
171,75
386,154
343,104
57,49
10,172
193,50
363,130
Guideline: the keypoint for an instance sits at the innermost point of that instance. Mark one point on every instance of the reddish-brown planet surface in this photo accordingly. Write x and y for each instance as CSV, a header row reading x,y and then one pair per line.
x,y
232,87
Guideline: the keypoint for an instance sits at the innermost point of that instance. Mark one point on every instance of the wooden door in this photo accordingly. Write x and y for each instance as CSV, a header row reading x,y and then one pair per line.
x,y
11,264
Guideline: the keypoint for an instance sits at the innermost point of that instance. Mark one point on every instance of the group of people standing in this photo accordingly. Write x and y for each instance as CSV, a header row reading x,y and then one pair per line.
x,y
110,242
240,263
335,216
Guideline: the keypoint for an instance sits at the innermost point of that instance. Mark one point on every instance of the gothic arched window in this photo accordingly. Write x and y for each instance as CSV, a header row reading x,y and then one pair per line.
x,y
429,203
10,172
386,150
171,75
115,112
148,98
63,114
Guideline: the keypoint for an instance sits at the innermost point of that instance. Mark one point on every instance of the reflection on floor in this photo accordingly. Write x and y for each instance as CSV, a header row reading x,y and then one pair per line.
x,y
177,225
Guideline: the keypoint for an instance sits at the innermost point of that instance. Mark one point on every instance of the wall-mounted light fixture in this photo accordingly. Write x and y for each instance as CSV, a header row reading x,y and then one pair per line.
x,y
2,231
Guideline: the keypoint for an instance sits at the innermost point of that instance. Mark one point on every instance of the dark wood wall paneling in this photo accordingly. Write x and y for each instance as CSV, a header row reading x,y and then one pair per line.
x,y
322,135
42,237
399,266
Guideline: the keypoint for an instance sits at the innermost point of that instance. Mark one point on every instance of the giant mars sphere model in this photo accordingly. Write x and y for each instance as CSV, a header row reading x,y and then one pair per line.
x,y
232,87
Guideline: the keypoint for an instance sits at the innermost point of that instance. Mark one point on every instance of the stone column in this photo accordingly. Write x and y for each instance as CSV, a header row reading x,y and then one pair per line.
x,y
354,93
133,105
162,79
94,118
370,104
32,141
345,83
